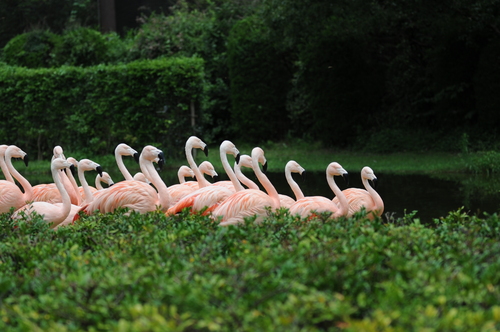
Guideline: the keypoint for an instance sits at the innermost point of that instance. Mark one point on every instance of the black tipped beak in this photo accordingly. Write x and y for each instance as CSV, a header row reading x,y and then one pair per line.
x,y
26,160
194,177
238,158
161,160
72,168
109,185
264,167
216,178
206,151
303,175
99,170
373,183
346,178
136,157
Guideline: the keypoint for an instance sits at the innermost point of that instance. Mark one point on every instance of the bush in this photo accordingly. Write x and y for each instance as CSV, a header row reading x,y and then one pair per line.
x,y
34,49
82,47
93,109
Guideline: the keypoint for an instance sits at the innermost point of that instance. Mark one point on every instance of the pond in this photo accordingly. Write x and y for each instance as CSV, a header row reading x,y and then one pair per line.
x,y
432,196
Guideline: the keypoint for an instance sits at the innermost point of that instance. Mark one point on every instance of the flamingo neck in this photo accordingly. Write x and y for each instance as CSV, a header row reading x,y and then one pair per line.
x,y
181,177
377,200
63,211
98,184
268,186
202,182
86,189
293,185
28,189
163,194
243,179
229,171
121,166
72,187
5,170
343,203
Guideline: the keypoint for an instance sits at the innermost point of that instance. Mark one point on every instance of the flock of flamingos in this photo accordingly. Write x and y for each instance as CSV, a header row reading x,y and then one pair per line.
x,y
227,202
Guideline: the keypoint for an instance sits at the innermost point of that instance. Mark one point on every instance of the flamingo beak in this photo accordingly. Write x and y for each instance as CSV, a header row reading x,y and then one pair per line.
x,y
346,178
26,160
194,177
136,157
206,151
72,169
109,185
161,159
99,170
264,167
373,183
303,175
238,158
216,178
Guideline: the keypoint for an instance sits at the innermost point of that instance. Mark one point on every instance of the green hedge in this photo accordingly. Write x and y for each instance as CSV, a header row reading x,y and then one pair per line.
x,y
92,109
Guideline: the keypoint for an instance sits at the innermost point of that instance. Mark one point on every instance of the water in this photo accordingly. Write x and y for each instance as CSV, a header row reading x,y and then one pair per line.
x,y
432,197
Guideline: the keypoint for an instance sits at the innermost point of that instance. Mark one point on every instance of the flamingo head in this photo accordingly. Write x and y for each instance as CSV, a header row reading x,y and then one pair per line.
x,y
367,173
206,167
60,163
195,142
123,149
15,152
335,169
89,165
258,156
152,154
228,147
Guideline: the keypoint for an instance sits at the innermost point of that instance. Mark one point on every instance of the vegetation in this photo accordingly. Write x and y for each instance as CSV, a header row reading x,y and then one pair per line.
x,y
92,109
151,273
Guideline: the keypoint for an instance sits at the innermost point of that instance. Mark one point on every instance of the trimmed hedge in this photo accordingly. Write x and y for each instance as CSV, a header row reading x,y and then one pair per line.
x,y
93,109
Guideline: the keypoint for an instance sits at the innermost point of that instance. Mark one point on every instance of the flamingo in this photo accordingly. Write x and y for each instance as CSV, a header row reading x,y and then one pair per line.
x,y
83,166
121,150
48,192
135,195
3,165
212,194
246,161
369,198
195,142
207,168
249,202
106,178
292,167
319,204
11,195
182,189
51,213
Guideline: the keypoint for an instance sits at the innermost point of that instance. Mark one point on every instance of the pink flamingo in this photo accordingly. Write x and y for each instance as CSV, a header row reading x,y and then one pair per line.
x,y
206,168
306,206
249,202
182,189
3,165
106,178
209,195
121,150
51,213
369,198
194,142
245,161
48,192
135,195
292,167
11,195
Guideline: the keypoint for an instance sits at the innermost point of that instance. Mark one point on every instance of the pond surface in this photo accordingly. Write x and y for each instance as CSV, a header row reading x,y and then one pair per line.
x,y
432,196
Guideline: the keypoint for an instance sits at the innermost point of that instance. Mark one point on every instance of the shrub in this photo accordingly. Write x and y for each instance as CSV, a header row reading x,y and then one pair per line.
x,y
82,47
34,49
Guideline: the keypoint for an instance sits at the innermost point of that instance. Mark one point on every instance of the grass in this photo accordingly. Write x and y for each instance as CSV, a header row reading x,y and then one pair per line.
x,y
184,273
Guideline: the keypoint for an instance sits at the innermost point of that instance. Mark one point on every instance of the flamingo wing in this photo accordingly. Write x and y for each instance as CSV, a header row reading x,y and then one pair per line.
x,y
241,205
10,196
307,205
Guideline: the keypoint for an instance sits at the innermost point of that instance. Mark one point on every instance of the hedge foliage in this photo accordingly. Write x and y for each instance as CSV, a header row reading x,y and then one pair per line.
x,y
152,273
93,109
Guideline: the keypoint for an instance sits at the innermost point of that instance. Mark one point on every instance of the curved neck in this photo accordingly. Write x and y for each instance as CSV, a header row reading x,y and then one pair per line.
x,y
98,184
202,182
28,190
163,195
268,186
86,189
343,204
121,166
377,200
229,171
72,188
63,211
243,179
181,177
293,185
5,170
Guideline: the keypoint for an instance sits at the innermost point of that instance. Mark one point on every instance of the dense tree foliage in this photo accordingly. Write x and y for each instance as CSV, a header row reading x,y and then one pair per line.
x,y
383,75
